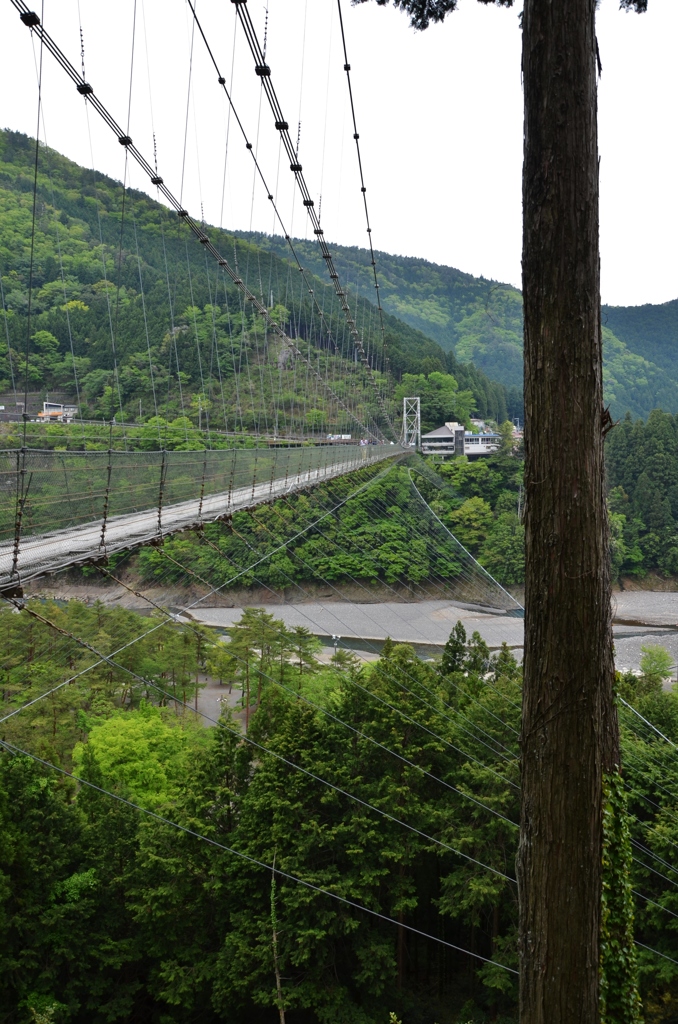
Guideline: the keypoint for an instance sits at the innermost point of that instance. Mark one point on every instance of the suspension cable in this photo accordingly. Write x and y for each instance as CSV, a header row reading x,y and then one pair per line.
x,y
32,20
357,685
213,590
264,73
146,682
363,189
258,170
267,750
415,681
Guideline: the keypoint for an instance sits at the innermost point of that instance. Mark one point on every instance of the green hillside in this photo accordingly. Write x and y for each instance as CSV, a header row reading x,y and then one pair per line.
x,y
649,331
184,344
438,319
480,321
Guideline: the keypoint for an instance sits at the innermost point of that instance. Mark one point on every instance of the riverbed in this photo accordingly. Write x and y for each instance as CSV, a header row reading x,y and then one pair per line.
x,y
640,618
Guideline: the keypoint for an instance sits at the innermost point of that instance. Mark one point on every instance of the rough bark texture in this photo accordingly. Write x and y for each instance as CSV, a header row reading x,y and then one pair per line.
x,y
569,731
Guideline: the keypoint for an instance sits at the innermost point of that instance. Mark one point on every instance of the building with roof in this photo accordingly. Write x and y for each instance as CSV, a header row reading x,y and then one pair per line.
x,y
453,439
57,412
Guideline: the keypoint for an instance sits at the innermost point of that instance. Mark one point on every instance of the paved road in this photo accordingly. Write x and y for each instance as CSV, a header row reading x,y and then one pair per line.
x,y
49,552
213,698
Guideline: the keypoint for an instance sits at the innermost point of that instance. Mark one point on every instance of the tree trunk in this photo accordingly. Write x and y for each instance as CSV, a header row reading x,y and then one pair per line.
x,y
569,728
247,704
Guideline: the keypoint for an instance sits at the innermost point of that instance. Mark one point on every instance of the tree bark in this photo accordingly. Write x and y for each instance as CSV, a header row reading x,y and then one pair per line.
x,y
569,728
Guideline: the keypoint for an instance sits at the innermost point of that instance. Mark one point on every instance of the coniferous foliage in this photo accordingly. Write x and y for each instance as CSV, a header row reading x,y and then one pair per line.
x,y
641,460
107,914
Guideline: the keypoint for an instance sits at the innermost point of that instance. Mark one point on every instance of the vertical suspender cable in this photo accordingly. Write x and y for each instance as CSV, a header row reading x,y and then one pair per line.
x,y
9,347
21,484
363,189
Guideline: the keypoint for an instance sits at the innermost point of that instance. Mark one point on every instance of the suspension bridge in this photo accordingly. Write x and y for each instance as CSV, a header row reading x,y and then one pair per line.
x,y
301,358
260,351
279,369
278,362
62,509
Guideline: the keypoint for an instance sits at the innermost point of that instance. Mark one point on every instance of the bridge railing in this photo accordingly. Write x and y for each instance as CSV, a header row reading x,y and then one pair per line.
x,y
42,492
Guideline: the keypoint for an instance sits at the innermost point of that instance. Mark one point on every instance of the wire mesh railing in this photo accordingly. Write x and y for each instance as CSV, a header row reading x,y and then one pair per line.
x,y
62,508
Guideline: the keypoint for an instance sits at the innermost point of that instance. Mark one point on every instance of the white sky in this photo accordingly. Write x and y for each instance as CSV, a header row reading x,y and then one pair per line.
x,y
439,115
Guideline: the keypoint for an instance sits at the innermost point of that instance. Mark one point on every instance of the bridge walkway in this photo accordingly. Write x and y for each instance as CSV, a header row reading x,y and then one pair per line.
x,y
59,509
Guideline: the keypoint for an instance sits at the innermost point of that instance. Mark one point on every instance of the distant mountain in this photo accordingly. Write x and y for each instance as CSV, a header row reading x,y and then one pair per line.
x,y
480,321
134,283
649,331
437,318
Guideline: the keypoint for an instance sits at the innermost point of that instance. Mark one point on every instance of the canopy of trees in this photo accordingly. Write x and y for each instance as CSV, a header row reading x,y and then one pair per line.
x,y
109,915
642,471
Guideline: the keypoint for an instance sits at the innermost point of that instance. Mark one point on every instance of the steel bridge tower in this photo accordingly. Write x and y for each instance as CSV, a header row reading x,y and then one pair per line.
x,y
411,423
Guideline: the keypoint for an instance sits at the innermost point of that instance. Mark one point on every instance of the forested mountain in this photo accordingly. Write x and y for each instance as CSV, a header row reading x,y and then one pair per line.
x,y
649,331
445,304
438,318
128,313
481,321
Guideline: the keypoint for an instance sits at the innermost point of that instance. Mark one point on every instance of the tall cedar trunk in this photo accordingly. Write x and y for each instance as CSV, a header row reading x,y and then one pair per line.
x,y
569,729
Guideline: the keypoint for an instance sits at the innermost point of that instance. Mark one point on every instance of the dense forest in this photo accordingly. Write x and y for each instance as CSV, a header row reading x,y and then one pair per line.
x,y
128,315
648,330
481,321
393,785
642,471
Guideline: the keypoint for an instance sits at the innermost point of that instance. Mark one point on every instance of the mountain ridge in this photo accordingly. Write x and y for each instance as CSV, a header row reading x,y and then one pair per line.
x,y
89,262
480,321
437,318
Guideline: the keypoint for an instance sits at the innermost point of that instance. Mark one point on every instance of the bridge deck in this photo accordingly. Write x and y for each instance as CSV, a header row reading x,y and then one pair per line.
x,y
96,525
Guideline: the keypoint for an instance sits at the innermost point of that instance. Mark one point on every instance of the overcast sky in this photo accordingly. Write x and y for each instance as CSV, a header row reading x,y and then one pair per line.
x,y
439,115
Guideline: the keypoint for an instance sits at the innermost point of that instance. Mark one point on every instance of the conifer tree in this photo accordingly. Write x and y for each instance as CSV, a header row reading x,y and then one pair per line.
x,y
454,650
570,735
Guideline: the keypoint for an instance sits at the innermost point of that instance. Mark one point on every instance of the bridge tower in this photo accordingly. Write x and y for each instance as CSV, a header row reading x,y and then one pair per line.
x,y
411,423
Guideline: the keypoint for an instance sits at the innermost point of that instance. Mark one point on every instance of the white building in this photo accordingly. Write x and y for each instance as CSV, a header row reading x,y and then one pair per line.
x,y
57,412
453,439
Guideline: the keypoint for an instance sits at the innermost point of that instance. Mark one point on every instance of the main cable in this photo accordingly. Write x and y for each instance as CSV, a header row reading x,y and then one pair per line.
x,y
263,71
258,171
32,21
